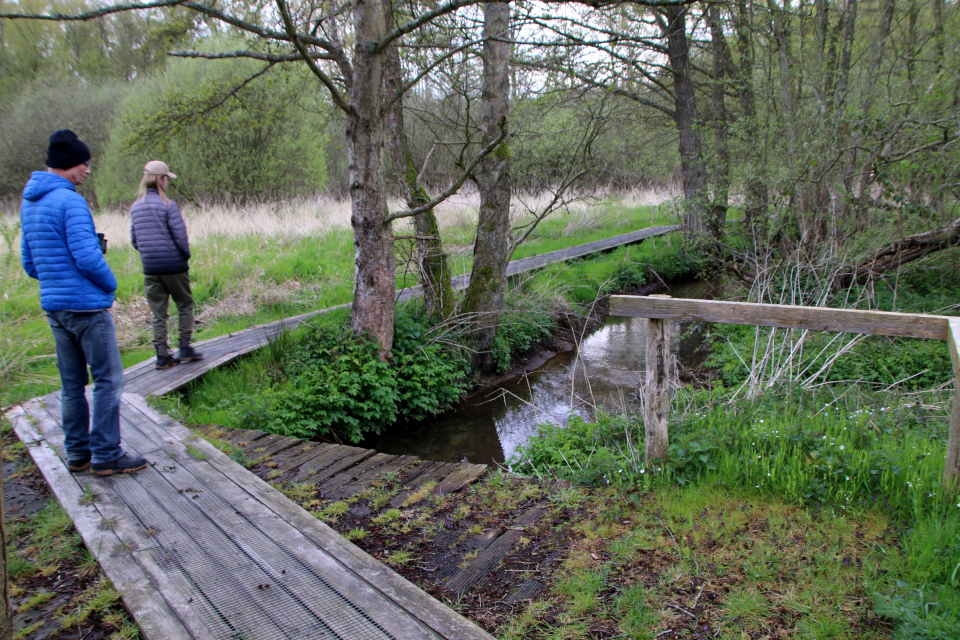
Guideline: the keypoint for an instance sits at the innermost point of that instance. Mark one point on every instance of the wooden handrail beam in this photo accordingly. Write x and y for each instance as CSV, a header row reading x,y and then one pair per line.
x,y
880,323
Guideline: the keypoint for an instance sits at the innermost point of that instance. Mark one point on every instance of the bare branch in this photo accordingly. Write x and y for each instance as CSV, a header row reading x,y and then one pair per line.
x,y
256,55
490,148
424,72
90,15
335,94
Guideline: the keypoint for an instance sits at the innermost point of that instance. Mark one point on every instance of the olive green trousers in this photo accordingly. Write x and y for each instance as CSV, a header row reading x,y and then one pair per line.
x,y
159,290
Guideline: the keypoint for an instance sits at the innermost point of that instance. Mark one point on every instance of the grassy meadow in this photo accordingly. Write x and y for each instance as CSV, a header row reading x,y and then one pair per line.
x,y
261,262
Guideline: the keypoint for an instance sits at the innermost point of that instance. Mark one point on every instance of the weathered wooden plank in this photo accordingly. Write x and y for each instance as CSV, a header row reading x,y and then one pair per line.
x,y
428,471
302,451
292,462
885,323
322,467
656,391
442,620
447,564
461,477
266,447
483,563
254,546
151,612
951,467
331,484
364,480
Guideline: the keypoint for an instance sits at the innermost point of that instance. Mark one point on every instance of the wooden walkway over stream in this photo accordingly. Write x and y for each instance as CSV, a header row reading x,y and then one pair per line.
x,y
200,547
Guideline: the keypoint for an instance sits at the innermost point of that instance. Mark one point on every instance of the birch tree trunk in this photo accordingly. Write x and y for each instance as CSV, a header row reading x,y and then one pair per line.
x,y
484,297
434,268
375,282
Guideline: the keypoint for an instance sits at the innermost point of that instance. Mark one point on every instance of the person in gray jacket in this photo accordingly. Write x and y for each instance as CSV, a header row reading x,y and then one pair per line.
x,y
159,234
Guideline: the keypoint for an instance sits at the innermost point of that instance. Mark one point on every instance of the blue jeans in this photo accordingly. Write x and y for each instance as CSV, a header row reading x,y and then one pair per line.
x,y
89,339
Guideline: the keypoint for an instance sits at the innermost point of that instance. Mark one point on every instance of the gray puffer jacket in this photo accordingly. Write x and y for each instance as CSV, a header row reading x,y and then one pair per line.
x,y
159,234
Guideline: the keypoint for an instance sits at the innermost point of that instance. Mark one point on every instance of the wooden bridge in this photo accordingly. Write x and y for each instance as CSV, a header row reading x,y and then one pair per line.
x,y
199,547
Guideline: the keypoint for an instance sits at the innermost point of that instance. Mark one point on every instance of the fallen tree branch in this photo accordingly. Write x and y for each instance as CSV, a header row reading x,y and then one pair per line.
x,y
899,253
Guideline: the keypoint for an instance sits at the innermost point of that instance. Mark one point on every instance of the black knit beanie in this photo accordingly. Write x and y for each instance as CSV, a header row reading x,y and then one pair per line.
x,y
66,150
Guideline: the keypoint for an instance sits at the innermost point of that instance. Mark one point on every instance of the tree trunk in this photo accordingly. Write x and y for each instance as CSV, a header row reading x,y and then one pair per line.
x,y
755,207
488,282
693,175
721,62
375,287
434,268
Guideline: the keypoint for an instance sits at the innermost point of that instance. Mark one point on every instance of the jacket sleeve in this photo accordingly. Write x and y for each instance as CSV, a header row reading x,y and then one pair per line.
x,y
133,235
85,247
27,258
178,229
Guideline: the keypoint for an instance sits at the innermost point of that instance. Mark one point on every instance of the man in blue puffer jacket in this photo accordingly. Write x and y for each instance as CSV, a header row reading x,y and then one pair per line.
x,y
60,249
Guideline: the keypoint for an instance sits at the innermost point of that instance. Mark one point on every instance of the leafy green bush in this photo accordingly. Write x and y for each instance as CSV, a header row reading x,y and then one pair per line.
x,y
334,383
224,135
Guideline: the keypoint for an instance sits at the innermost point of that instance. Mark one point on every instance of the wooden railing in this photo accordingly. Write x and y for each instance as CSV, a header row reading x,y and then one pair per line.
x,y
659,310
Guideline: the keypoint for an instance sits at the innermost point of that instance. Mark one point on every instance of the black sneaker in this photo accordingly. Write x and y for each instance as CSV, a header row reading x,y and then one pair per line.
x,y
187,354
165,358
76,465
127,463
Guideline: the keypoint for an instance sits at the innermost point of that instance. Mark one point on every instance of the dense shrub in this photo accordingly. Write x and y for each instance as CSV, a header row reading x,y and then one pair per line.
x,y
333,383
225,137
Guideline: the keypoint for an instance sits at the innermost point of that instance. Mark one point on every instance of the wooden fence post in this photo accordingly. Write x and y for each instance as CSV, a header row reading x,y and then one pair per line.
x,y
951,466
656,392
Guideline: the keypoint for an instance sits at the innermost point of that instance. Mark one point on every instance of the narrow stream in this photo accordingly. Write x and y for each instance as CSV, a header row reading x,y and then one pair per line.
x,y
602,374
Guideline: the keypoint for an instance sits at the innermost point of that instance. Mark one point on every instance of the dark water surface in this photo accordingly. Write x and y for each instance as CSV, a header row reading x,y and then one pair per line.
x,y
602,374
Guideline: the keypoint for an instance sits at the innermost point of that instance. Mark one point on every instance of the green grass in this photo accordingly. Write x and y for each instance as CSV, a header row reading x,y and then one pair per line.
x,y
810,471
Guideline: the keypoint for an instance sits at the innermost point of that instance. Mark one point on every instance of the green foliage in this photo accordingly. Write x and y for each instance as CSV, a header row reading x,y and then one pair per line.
x,y
524,323
678,262
333,382
225,134
921,613
41,108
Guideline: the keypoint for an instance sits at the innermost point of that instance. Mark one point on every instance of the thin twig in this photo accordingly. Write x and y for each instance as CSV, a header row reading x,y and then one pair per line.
x,y
682,610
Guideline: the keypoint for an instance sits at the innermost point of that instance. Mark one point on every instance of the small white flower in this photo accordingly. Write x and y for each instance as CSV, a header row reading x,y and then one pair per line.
x,y
842,447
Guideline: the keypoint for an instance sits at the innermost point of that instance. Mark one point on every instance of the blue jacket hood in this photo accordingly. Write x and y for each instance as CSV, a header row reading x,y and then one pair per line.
x,y
43,182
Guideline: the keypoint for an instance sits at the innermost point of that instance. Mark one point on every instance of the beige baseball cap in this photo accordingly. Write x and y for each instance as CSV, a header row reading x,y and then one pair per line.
x,y
157,168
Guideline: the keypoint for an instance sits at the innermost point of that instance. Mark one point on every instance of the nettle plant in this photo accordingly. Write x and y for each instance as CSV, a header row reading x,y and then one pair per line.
x,y
334,383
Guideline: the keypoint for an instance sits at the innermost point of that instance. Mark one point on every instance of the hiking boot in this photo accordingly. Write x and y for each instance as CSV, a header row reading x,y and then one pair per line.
x,y
165,358
76,465
187,353
127,463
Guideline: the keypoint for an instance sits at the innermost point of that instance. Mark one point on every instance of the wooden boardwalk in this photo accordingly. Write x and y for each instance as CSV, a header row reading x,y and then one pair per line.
x,y
199,547
144,379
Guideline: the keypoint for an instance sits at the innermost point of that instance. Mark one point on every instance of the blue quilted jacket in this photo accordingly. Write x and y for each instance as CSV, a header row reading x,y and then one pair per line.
x,y
60,247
